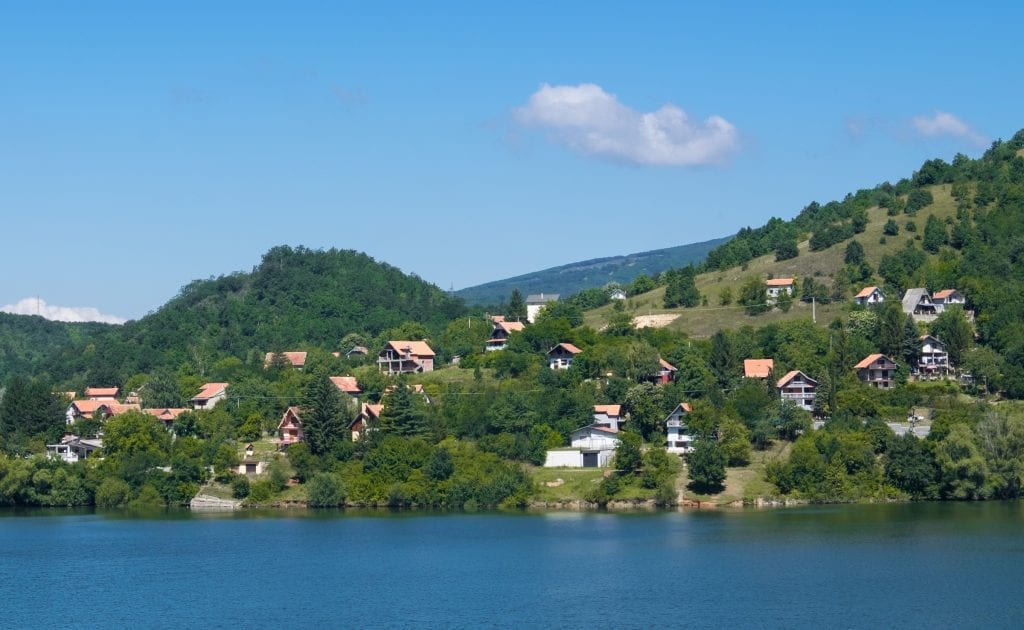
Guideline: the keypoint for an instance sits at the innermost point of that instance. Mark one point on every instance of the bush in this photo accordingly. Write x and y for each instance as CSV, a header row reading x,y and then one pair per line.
x,y
240,487
113,492
262,490
324,490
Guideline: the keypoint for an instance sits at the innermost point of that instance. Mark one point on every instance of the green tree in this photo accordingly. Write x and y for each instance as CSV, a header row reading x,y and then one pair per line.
x,y
891,228
628,457
645,404
734,440
786,249
516,311
725,296
681,288
403,413
724,364
910,466
952,328
934,234
161,391
30,408
963,472
323,411
706,466
854,254
752,295
324,490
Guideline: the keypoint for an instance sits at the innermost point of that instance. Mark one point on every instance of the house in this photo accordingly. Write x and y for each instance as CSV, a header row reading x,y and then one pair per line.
x,y
101,393
758,368
799,388
608,416
406,357
349,386
934,360
96,410
296,359
535,304
210,395
250,466
869,296
776,286
947,297
677,434
593,446
367,419
73,448
877,370
289,430
617,294
666,372
560,357
496,318
918,305
167,415
500,334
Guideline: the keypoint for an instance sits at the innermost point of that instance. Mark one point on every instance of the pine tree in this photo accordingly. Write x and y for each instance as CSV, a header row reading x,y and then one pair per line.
x,y
403,413
322,415
516,307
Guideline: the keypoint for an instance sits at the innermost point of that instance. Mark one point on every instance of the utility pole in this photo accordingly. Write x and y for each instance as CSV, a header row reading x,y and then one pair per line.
x,y
814,310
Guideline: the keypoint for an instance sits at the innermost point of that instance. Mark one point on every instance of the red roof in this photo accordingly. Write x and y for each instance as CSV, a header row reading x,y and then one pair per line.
x,y
210,390
758,368
510,327
791,375
566,346
666,365
166,415
943,294
497,318
416,348
866,291
871,358
612,411
346,384
101,392
779,282
297,359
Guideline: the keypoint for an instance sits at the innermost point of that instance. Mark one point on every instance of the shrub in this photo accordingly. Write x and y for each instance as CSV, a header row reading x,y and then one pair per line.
x,y
262,490
324,490
113,492
240,487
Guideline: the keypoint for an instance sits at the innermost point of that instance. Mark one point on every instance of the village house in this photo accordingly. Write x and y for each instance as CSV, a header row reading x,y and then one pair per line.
x,y
251,466
869,296
798,388
102,393
367,420
405,357
776,286
608,416
947,297
933,361
73,448
758,368
919,305
96,410
295,359
666,372
677,434
535,304
560,357
500,334
348,386
593,446
166,415
877,370
210,395
289,430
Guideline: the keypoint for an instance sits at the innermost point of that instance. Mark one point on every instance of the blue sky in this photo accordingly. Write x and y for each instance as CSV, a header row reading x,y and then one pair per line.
x,y
141,148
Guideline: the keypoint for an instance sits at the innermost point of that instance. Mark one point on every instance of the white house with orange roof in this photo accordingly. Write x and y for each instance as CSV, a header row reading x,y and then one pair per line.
x,y
758,368
869,296
560,357
798,388
502,331
167,415
877,370
933,360
96,410
608,416
677,435
348,386
947,297
406,357
777,286
295,359
210,395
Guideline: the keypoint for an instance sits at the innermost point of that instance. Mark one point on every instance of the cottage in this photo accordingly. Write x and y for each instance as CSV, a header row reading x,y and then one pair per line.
x,y
593,446
666,372
777,286
869,296
166,415
947,297
934,360
367,420
560,357
295,359
102,393
289,430
405,357
677,434
608,416
348,386
877,370
798,388
758,368
918,305
535,304
500,334
210,395
73,448
96,410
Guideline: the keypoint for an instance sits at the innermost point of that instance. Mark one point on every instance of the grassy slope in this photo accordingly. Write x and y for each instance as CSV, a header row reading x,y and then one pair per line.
x,y
704,321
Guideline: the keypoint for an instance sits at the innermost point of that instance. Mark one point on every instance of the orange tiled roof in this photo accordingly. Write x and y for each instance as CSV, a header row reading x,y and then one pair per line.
x,y
758,368
165,414
779,282
866,291
567,346
666,365
612,411
209,391
510,327
107,392
346,384
943,294
416,348
868,360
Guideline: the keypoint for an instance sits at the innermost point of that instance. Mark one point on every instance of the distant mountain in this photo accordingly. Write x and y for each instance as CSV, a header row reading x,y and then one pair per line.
x,y
597,272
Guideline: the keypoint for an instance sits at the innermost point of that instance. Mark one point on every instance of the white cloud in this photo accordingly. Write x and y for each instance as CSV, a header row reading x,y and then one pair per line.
x,y
946,124
34,306
594,123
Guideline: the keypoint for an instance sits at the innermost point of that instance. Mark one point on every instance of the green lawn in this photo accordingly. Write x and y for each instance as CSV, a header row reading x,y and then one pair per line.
x,y
577,482
742,484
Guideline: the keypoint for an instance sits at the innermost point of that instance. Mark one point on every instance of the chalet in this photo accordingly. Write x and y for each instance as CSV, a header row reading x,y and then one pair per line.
x,y
500,334
560,357
289,430
776,286
677,434
798,388
367,420
295,359
210,395
593,446
348,386
167,415
405,357
947,297
869,296
918,305
877,370
666,372
608,416
101,393
73,448
96,410
758,368
934,360
535,304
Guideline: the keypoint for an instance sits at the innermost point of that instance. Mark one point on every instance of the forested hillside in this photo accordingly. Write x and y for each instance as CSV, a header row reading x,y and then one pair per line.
x,y
28,341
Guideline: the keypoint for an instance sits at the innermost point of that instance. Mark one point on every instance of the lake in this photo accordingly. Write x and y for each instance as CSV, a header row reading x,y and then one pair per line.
x,y
905,565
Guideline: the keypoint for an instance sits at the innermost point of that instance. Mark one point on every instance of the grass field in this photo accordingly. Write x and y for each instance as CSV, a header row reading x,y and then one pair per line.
x,y
741,484
705,321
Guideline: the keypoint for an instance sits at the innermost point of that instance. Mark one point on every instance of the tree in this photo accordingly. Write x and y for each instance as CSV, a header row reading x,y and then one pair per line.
x,y
645,404
725,296
734,440
723,361
859,220
680,287
516,311
854,254
322,415
891,228
324,490
161,391
952,328
29,408
786,249
963,472
917,199
910,466
628,457
706,466
934,234
752,295
403,413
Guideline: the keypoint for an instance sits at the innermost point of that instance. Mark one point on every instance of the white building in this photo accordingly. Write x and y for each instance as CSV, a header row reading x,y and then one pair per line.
x,y
798,388
677,433
73,448
536,302
934,360
869,296
776,286
210,395
592,447
560,357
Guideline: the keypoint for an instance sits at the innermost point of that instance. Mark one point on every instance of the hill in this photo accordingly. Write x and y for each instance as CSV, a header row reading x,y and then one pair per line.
x,y
588,274
26,341
295,298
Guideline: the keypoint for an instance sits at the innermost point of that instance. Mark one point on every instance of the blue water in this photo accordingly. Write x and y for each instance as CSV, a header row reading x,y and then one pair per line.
x,y
921,566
